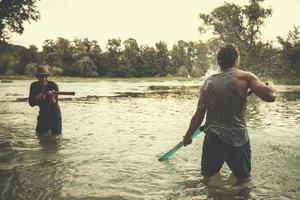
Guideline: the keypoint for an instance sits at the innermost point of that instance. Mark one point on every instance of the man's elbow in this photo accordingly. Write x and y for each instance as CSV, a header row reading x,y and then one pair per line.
x,y
271,98
31,103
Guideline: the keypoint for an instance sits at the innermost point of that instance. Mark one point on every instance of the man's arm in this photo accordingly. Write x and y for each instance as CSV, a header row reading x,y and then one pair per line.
x,y
264,91
196,119
52,97
34,98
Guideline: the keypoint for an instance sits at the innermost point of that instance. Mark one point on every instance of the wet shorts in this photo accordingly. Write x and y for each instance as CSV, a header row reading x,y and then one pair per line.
x,y
44,124
215,152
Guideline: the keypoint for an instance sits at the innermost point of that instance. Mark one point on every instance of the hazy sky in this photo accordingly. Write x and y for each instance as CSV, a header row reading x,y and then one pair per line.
x,y
147,21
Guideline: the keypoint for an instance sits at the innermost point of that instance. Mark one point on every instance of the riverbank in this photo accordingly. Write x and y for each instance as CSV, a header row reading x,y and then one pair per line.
x,y
89,79
290,79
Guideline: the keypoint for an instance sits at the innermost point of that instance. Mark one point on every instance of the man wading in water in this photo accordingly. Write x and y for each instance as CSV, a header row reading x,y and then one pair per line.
x,y
41,94
223,98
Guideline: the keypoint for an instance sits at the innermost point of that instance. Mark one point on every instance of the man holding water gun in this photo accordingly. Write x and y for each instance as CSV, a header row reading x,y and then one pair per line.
x,y
43,94
223,98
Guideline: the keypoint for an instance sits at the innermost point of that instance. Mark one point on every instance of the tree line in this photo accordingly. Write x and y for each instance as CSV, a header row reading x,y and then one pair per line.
x,y
229,23
83,57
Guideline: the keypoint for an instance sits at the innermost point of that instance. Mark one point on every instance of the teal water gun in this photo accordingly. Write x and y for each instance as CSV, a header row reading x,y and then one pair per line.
x,y
167,155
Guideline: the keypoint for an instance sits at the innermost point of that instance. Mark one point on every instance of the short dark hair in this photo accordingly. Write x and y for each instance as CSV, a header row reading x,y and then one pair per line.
x,y
227,55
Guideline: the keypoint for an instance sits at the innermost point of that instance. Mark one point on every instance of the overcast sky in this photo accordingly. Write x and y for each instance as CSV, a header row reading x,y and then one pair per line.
x,y
147,21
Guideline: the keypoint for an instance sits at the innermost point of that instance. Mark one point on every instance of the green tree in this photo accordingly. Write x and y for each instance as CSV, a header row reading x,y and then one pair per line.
x,y
131,58
148,65
182,71
291,49
240,25
254,15
86,67
213,45
192,55
25,56
83,57
113,57
12,15
236,24
60,53
226,21
32,54
12,65
196,72
3,63
200,59
162,58
179,54
50,56
95,53
30,69
56,71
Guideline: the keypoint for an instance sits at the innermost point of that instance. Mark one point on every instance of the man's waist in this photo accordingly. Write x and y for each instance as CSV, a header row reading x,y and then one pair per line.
x,y
49,109
226,124
234,136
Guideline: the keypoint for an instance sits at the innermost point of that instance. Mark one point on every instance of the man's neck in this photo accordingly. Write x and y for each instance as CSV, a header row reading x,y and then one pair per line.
x,y
228,69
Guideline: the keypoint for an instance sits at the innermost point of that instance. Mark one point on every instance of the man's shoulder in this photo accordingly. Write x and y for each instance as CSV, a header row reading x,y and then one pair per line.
x,y
210,78
244,74
52,83
35,83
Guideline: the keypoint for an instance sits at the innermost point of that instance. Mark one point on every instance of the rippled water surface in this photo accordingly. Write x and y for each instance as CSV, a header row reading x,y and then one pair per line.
x,y
114,132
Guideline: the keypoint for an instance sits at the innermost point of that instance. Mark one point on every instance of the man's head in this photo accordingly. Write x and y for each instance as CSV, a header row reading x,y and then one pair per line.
x,y
42,74
228,56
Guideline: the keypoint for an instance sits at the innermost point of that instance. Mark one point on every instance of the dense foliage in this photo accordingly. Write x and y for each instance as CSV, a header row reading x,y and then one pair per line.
x,y
241,25
230,23
82,57
12,15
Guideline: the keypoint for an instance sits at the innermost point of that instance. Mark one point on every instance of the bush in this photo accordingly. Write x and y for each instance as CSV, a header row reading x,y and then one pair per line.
x,y
183,72
86,67
10,72
30,69
195,72
12,66
56,71
169,75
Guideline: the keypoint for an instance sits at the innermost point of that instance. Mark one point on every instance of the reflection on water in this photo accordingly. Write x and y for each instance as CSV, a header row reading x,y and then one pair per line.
x,y
220,187
31,172
114,132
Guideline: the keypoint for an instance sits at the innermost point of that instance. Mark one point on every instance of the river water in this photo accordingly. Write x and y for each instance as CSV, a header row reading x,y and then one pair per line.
x,y
115,131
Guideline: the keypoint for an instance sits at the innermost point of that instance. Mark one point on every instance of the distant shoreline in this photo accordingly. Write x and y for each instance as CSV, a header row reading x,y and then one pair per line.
x,y
71,78
287,79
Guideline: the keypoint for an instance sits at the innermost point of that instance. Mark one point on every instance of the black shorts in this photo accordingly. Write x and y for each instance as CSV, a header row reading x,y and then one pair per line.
x,y
215,152
44,124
